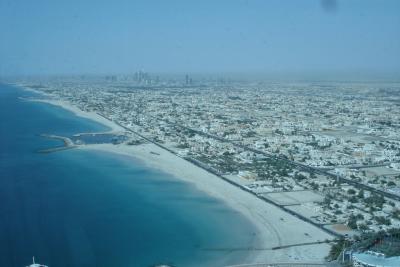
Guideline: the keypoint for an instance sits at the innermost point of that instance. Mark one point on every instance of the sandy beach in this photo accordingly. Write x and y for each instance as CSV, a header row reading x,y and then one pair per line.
x,y
78,112
273,227
114,128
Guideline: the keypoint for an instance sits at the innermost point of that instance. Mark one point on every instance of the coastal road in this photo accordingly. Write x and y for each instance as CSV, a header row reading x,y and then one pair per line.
x,y
293,163
218,174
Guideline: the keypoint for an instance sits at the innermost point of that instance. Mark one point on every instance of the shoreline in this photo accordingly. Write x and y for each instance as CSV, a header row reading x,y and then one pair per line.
x,y
273,226
113,127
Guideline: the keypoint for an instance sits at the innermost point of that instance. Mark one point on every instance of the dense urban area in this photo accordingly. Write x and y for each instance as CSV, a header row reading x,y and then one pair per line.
x,y
327,152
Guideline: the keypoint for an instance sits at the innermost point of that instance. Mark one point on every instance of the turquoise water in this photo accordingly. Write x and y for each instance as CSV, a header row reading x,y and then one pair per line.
x,y
81,208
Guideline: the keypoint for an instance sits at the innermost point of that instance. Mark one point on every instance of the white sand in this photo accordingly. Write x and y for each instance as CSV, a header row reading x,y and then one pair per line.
x,y
271,230
274,227
83,114
78,112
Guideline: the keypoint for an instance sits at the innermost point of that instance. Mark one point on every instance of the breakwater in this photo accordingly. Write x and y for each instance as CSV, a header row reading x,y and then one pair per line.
x,y
68,143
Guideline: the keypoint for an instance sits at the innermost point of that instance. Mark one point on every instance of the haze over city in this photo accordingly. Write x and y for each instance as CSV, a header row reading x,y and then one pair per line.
x,y
200,133
360,38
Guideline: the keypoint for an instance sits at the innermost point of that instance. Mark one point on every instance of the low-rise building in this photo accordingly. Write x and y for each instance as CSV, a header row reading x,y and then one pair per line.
x,y
374,259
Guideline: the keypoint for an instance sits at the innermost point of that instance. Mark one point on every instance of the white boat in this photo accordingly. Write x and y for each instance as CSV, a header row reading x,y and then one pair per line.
x,y
36,264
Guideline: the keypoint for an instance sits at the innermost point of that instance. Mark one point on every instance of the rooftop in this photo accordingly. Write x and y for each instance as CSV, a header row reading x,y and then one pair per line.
x,y
375,260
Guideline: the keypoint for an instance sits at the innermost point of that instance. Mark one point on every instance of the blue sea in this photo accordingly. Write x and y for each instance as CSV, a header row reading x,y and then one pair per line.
x,y
85,208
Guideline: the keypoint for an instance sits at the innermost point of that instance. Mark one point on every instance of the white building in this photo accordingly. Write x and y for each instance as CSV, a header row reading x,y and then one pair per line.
x,y
373,259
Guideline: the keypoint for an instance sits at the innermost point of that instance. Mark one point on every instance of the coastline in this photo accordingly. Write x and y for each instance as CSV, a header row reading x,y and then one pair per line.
x,y
114,128
273,226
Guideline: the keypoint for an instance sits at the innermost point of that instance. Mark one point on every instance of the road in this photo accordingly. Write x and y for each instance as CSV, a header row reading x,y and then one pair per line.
x,y
294,163
218,174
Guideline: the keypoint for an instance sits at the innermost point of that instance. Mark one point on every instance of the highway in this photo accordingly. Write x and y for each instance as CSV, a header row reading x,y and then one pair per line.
x,y
218,174
294,163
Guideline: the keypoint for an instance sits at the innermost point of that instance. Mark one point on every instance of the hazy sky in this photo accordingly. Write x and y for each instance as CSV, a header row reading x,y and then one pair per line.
x,y
78,36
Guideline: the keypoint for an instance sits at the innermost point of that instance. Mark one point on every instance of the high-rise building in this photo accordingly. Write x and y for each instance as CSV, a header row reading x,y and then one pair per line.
x,y
187,79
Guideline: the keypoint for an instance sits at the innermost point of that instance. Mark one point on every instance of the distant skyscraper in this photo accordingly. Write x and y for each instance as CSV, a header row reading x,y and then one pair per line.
x,y
142,77
187,79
